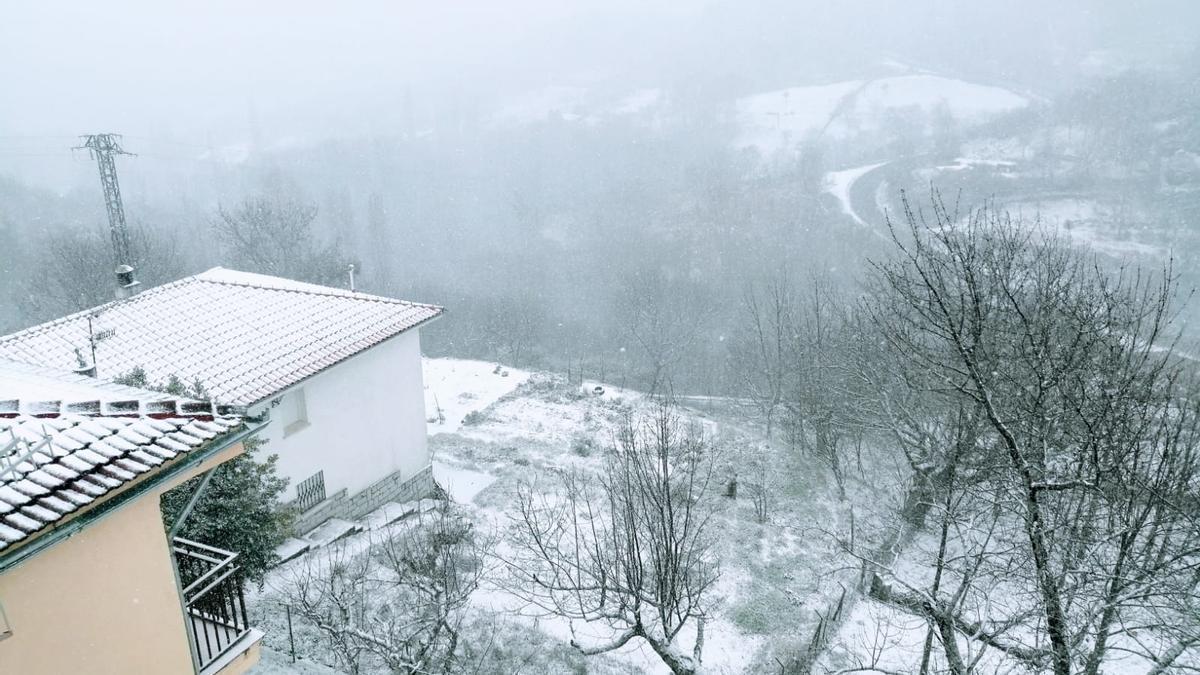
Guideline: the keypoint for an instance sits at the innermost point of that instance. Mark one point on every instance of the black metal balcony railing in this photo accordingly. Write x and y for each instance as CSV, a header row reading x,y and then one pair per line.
x,y
212,597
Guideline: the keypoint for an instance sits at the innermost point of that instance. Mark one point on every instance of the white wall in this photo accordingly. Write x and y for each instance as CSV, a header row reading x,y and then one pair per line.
x,y
366,420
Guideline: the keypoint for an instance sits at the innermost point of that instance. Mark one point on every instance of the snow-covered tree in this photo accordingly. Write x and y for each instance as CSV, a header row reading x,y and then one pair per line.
x,y
629,551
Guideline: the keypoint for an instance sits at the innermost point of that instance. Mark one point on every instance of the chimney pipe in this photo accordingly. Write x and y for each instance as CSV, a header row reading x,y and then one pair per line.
x,y
127,285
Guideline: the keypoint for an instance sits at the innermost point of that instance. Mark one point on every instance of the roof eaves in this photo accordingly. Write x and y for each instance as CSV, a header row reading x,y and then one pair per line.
x,y
52,533
249,401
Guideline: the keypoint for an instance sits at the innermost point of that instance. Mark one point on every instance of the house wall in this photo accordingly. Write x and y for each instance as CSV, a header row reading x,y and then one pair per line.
x,y
366,421
102,601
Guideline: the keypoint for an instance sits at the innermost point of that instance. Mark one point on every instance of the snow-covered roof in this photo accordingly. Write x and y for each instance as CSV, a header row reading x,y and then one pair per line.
x,y
30,382
245,337
62,455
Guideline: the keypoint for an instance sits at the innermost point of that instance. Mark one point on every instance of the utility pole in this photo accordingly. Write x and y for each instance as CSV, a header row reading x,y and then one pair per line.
x,y
104,148
786,112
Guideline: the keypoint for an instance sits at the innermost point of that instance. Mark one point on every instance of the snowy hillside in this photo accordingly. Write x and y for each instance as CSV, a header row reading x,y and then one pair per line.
x,y
966,101
499,426
772,119
767,119
493,428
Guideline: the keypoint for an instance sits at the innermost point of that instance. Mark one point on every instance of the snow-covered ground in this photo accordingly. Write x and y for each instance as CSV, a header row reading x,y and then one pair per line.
x,y
770,573
965,101
770,119
498,430
776,119
454,388
461,484
1086,223
773,119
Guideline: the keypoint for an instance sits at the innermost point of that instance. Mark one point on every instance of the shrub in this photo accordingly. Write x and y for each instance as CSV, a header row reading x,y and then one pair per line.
x,y
583,445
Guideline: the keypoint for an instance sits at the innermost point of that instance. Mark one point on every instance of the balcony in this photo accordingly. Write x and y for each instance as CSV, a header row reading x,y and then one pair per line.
x,y
213,603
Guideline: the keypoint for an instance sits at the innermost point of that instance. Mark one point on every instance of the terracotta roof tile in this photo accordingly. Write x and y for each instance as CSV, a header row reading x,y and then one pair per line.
x,y
121,449
53,466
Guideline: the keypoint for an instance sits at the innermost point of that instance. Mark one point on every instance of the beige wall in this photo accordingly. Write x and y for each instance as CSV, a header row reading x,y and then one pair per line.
x,y
103,601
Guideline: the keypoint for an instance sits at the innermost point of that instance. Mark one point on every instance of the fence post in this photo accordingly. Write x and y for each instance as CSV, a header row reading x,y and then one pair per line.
x,y
291,638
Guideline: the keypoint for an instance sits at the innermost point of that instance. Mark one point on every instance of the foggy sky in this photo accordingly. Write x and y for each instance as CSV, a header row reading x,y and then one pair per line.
x,y
220,72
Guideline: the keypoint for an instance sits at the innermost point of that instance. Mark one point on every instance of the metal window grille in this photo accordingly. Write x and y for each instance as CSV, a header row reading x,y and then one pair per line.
x,y
310,491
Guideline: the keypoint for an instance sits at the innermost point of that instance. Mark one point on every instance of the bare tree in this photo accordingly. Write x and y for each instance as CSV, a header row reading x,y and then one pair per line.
x,y
401,603
75,269
1088,423
821,399
663,320
796,360
764,481
630,550
510,328
272,233
763,353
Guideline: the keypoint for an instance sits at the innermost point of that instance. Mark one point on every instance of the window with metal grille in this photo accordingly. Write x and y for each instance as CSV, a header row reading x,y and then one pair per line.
x,y
310,491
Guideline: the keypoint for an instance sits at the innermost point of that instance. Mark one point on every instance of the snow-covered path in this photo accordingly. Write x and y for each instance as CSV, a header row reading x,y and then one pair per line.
x,y
839,183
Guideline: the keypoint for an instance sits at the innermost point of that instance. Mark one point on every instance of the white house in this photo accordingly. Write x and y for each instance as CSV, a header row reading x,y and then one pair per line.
x,y
325,364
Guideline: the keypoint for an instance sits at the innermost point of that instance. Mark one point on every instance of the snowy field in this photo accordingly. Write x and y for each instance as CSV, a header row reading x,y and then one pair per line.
x,y
1084,222
964,101
775,119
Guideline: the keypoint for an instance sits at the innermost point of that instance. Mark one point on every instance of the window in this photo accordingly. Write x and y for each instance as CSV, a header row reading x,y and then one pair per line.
x,y
293,412
310,491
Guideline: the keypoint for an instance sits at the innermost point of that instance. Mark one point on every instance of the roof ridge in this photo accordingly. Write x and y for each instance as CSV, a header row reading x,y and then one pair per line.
x,y
309,289
92,311
199,278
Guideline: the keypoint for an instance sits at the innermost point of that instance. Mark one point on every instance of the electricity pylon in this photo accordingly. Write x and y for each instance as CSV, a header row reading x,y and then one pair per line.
x,y
104,148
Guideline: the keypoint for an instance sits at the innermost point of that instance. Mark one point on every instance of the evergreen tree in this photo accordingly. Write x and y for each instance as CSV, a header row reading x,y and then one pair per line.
x,y
240,509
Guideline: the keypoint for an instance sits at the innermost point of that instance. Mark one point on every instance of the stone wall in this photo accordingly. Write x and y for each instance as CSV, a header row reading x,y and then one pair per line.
x,y
393,488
